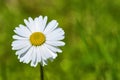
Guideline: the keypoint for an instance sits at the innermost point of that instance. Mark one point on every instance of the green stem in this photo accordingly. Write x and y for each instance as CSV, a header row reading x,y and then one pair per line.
x,y
42,72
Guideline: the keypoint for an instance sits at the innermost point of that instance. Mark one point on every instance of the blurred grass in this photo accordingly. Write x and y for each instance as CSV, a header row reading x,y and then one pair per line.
x,y
92,39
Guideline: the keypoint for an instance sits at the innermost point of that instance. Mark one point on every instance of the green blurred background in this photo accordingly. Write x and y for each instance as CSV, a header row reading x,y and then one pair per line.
x,y
92,50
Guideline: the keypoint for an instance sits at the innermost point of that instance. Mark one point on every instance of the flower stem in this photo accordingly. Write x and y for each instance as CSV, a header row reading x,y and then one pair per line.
x,y
42,73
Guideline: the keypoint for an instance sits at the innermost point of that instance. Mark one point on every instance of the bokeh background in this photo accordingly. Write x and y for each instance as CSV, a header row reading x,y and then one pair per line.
x,y
92,50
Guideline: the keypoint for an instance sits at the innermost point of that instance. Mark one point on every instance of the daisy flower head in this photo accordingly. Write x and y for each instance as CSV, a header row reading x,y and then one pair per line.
x,y
37,41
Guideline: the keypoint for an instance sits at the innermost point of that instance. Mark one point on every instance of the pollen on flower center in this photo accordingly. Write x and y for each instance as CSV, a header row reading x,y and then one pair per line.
x,y
37,38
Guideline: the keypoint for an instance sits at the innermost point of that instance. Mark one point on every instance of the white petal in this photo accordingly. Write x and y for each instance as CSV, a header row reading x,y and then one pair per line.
x,y
23,50
45,54
30,24
51,26
56,32
44,22
55,43
51,55
30,19
55,38
27,24
42,58
27,57
44,62
19,44
25,30
38,54
34,57
42,53
40,22
37,25
20,32
54,49
19,37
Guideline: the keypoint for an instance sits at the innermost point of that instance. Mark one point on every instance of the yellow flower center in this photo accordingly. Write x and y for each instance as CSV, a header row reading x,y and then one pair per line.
x,y
37,38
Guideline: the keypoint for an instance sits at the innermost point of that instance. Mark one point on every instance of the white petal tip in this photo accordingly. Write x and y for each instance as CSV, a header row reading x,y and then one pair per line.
x,y
13,48
60,51
62,43
33,65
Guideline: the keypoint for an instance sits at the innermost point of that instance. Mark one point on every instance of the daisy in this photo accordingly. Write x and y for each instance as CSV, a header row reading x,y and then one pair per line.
x,y
37,41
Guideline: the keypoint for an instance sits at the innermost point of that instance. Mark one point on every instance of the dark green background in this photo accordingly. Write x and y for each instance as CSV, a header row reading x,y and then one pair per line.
x,y
92,30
